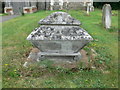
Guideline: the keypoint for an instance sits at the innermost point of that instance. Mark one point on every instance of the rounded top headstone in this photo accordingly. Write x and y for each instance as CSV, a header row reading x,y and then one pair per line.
x,y
106,16
106,7
59,18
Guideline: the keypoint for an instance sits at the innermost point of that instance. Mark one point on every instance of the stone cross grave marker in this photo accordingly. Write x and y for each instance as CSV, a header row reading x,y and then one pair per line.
x,y
59,38
106,16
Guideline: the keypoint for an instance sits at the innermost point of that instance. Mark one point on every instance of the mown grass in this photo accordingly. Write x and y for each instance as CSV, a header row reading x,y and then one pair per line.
x,y
15,47
3,14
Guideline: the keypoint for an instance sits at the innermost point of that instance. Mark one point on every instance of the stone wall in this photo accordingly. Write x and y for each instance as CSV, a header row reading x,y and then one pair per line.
x,y
76,6
43,5
1,9
71,5
18,7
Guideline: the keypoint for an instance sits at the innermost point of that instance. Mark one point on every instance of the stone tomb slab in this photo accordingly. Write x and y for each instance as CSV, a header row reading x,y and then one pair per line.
x,y
59,38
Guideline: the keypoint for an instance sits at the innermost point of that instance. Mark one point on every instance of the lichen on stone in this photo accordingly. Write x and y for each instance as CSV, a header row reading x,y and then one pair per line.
x,y
59,18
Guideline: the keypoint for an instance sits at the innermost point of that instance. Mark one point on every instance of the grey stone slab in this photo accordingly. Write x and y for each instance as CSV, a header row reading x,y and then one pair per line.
x,y
27,3
8,3
60,46
47,32
60,18
106,17
18,7
41,5
58,54
60,57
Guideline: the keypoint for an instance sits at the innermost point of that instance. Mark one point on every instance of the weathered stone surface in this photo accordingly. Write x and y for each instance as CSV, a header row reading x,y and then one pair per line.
x,y
46,32
8,3
66,46
59,37
76,6
41,5
92,8
61,18
27,3
106,18
18,7
34,3
8,10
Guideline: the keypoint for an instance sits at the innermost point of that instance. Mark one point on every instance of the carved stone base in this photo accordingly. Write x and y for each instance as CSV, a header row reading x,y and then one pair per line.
x,y
55,57
60,57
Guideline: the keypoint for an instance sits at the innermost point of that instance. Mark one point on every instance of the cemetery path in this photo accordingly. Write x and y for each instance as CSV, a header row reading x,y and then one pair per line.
x,y
6,18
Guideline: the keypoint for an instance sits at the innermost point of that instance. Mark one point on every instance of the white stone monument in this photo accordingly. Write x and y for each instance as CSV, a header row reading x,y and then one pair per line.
x,y
30,6
8,7
61,4
92,8
88,7
51,4
106,17
34,5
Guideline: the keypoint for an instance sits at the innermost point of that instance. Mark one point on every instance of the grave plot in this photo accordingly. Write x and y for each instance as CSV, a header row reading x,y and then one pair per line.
x,y
103,71
59,38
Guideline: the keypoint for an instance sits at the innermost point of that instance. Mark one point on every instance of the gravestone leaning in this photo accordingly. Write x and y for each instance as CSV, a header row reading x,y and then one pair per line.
x,y
106,17
59,38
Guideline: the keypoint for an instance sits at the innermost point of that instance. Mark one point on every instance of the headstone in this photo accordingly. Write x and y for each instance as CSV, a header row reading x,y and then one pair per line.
x,y
18,7
88,7
8,7
30,6
65,4
61,4
56,4
34,5
59,38
106,16
92,8
51,4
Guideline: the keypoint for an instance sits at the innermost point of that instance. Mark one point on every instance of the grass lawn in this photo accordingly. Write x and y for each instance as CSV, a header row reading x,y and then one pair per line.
x,y
15,46
3,14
